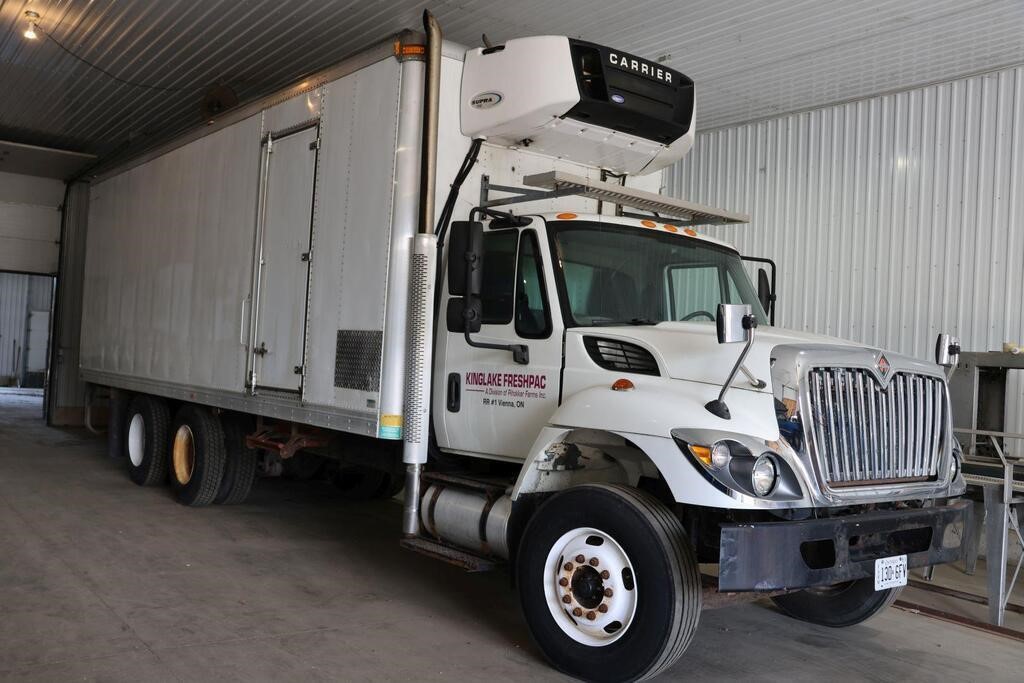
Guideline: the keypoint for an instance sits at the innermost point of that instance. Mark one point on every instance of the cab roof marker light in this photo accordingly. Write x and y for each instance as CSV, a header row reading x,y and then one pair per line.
x,y
566,216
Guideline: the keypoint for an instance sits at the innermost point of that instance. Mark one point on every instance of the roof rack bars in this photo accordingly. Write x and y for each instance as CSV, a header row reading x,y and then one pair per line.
x,y
554,184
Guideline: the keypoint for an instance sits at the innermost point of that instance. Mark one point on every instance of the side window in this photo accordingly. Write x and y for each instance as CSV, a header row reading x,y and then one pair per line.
x,y
533,319
499,267
693,289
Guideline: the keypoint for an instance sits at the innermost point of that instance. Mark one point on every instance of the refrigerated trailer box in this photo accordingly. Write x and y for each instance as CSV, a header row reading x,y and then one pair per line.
x,y
558,366
262,264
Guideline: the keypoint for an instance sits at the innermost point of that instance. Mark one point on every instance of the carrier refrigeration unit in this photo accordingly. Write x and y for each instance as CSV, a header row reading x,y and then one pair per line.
x,y
452,270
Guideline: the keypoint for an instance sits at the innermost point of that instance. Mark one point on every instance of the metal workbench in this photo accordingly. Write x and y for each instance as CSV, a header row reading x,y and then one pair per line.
x,y
978,398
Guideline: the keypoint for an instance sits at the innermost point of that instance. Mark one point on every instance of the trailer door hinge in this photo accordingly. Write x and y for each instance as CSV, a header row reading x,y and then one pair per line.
x,y
306,256
315,144
298,369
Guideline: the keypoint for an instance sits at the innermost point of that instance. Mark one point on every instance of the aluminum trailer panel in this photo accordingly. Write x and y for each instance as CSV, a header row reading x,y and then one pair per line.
x,y
272,233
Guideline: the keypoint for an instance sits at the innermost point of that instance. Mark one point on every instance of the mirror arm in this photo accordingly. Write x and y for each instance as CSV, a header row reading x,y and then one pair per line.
x,y
754,381
718,406
520,352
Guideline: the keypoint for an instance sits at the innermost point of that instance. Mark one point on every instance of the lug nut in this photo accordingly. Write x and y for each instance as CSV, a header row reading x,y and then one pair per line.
x,y
602,608
593,562
577,612
580,559
568,566
607,592
566,599
591,616
563,582
605,575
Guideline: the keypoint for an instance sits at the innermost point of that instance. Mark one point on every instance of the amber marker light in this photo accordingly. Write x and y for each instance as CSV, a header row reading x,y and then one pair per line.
x,y
565,216
623,384
671,228
702,453
649,224
691,232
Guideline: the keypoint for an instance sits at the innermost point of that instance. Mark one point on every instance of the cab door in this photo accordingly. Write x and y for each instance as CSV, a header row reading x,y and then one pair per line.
x,y
485,403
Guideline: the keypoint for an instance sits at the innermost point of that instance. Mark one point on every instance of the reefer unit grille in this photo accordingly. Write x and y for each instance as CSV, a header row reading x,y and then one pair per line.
x,y
863,433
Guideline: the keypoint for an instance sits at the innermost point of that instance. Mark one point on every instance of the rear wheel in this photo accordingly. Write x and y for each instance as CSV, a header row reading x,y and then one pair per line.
x,y
146,435
358,482
197,456
240,461
837,606
609,583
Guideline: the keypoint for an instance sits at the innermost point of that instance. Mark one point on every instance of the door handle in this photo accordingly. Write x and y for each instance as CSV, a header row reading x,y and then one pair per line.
x,y
454,392
241,325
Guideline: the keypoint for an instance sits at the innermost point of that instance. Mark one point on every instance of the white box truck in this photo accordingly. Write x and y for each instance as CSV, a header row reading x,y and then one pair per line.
x,y
564,374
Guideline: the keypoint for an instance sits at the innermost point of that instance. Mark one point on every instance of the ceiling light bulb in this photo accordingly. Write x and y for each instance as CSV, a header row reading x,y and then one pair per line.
x,y
30,32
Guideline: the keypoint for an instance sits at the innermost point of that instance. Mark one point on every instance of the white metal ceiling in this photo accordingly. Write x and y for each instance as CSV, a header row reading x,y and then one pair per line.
x,y
749,59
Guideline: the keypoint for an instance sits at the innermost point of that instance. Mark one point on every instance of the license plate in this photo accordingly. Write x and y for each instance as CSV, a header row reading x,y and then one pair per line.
x,y
890,572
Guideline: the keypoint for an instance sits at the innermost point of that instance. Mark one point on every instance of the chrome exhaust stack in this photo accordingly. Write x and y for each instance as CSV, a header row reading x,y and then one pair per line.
x,y
421,292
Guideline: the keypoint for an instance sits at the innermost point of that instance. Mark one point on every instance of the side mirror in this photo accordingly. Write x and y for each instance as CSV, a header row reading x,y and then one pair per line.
x,y
764,290
465,258
947,350
464,314
734,322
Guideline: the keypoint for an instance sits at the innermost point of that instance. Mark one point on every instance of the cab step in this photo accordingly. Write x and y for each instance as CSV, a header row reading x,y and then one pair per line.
x,y
450,554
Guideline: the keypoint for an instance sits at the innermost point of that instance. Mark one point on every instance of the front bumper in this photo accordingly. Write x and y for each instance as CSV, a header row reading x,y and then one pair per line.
x,y
773,556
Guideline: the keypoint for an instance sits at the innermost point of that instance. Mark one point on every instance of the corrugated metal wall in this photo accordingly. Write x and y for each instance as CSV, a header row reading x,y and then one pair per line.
x,y
891,219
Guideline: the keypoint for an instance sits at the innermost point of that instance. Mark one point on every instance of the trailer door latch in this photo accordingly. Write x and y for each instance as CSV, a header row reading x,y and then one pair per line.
x,y
261,350
298,369
305,256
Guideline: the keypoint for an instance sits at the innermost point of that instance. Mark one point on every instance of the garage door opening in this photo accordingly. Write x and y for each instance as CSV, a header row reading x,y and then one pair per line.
x,y
26,303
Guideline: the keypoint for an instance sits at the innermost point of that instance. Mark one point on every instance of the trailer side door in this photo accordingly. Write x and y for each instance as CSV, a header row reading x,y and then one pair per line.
x,y
282,260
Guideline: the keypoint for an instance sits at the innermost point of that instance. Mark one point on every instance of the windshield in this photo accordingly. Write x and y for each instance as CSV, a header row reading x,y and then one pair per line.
x,y
614,274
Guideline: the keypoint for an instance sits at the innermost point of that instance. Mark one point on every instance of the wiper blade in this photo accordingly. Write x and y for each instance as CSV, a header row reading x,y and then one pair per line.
x,y
631,321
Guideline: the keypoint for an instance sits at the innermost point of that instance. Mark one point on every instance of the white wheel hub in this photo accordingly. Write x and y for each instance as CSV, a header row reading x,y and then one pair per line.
x,y
590,587
136,439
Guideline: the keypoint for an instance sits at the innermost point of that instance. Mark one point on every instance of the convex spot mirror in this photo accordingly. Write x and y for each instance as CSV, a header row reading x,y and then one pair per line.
x,y
764,290
465,276
733,322
947,350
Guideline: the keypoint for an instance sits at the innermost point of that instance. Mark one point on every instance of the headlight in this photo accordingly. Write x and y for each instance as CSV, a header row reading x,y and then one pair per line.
x,y
720,455
764,475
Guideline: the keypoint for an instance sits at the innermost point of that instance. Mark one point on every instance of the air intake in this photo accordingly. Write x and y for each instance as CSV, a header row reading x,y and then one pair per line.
x,y
612,354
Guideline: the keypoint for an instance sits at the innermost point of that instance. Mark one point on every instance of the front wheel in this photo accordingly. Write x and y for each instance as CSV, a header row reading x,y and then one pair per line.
x,y
837,606
608,583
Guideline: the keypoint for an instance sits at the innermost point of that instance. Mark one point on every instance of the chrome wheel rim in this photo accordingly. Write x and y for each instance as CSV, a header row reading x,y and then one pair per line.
x,y
590,587
136,439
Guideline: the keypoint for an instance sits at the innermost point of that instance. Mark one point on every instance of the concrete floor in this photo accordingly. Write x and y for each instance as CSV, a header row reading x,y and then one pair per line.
x,y
103,580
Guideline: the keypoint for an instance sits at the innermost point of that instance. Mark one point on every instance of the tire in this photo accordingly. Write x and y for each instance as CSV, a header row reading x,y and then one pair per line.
x,y
239,464
302,466
837,606
651,588
116,424
359,483
197,456
146,438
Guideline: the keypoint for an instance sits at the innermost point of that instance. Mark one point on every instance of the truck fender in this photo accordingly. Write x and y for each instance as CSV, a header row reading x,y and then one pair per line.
x,y
584,442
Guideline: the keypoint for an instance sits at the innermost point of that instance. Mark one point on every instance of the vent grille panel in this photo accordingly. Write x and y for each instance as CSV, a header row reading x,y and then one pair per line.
x,y
622,356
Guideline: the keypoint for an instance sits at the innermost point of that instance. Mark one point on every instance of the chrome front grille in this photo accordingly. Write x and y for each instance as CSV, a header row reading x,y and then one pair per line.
x,y
862,434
